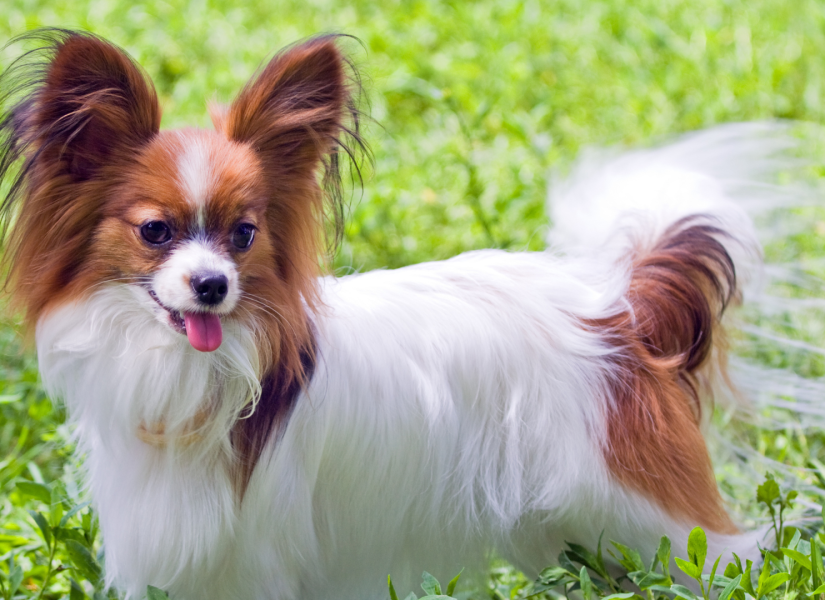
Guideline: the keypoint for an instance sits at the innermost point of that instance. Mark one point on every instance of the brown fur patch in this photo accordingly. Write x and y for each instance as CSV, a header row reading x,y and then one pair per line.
x,y
678,291
78,127
294,114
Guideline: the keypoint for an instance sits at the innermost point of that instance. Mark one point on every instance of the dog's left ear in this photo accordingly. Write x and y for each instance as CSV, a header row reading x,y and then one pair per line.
x,y
291,113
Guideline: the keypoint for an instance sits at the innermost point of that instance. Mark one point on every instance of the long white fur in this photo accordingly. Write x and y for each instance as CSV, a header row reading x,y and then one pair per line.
x,y
457,408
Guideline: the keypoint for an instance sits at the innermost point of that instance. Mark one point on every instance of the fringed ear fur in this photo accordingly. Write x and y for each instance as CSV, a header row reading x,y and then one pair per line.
x,y
84,103
299,113
76,110
294,107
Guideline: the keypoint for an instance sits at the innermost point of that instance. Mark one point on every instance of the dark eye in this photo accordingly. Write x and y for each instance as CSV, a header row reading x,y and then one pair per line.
x,y
243,235
156,232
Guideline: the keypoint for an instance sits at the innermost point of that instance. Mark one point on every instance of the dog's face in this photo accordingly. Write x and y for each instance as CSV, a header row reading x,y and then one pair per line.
x,y
203,226
187,228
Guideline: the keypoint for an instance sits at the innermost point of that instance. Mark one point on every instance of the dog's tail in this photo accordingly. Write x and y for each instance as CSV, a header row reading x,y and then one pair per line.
x,y
625,202
679,219
624,206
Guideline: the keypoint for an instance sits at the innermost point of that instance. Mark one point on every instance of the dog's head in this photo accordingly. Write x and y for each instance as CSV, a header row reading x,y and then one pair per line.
x,y
203,226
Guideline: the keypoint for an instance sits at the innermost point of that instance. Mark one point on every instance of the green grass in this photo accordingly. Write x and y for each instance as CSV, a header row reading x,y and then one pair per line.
x,y
473,104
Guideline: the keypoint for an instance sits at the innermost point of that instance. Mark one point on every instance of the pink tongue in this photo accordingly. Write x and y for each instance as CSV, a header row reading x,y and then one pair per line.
x,y
204,331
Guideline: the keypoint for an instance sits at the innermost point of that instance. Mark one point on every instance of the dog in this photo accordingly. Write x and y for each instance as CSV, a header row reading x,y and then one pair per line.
x,y
253,428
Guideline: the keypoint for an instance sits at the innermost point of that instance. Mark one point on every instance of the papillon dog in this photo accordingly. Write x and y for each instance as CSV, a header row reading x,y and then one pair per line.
x,y
255,429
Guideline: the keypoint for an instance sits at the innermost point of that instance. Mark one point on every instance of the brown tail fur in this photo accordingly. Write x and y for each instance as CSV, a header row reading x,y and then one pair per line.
x,y
678,291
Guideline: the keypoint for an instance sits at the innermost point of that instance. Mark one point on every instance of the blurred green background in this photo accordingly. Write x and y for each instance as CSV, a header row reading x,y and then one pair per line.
x,y
472,104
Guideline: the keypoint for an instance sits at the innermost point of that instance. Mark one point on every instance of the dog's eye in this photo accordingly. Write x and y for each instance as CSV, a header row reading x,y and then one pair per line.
x,y
156,232
242,238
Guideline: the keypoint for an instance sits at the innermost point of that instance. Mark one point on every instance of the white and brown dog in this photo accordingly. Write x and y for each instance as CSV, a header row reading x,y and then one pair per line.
x,y
254,429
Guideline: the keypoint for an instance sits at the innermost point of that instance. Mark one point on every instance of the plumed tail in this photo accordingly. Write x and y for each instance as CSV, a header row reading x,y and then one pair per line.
x,y
617,202
689,220
679,289
662,337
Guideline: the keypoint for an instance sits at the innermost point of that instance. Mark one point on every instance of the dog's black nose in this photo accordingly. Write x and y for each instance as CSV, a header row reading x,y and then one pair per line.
x,y
210,289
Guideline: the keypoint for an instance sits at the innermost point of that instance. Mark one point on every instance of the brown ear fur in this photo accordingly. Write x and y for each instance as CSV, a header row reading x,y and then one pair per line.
x,y
294,107
678,291
96,103
299,114
81,108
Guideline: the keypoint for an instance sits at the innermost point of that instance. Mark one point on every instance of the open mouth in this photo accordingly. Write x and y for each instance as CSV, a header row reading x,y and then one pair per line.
x,y
176,319
203,330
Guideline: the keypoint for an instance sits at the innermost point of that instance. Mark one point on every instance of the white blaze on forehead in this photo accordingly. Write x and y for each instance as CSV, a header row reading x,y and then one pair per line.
x,y
194,258
196,176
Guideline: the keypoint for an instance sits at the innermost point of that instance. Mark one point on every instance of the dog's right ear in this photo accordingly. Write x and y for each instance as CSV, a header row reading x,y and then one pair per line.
x,y
87,107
